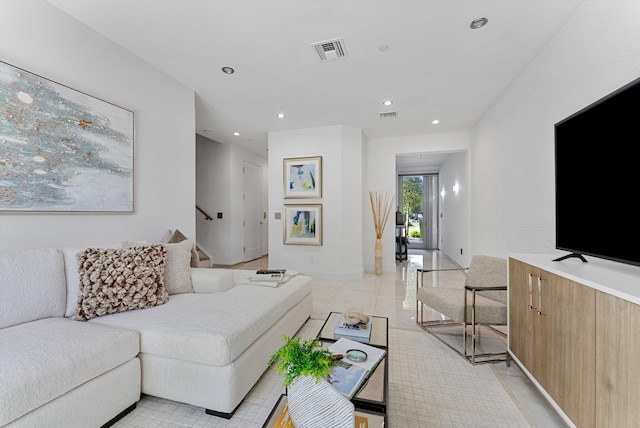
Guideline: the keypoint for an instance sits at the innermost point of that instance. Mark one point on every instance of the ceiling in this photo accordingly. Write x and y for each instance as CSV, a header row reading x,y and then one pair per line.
x,y
420,54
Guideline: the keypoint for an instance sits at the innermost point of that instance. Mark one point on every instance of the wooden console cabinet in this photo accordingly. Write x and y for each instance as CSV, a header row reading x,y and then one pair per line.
x,y
577,339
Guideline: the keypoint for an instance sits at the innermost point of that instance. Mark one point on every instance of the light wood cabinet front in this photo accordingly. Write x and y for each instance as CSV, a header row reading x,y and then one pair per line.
x,y
520,314
617,362
566,346
552,333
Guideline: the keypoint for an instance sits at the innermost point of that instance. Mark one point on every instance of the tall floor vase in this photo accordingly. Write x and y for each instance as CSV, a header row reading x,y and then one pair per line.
x,y
378,256
318,405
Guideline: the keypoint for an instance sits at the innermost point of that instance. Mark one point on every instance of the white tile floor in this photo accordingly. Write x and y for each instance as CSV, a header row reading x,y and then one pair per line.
x,y
429,384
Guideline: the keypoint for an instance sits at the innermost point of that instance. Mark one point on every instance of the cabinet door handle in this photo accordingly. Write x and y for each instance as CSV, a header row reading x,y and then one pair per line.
x,y
530,305
540,311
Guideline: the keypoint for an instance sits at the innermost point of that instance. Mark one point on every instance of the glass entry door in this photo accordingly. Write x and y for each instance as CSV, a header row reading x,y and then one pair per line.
x,y
417,199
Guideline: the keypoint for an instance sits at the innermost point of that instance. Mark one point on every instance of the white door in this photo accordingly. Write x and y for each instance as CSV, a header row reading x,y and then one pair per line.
x,y
252,210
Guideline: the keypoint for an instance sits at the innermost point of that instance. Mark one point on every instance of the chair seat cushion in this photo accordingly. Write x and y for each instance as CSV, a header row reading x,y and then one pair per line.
x,y
450,302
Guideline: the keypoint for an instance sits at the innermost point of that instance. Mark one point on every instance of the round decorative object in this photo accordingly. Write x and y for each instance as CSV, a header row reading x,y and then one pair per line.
x,y
356,355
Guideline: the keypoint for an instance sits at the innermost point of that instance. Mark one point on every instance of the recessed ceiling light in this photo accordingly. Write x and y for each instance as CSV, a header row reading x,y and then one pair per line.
x,y
478,23
280,115
228,70
236,133
388,102
435,121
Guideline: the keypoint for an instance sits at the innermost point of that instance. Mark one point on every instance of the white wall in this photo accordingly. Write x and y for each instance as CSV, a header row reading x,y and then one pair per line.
x,y
340,256
219,189
213,195
512,156
454,208
40,38
381,176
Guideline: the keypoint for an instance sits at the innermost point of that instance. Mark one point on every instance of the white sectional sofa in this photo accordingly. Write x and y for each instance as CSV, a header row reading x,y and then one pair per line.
x,y
206,347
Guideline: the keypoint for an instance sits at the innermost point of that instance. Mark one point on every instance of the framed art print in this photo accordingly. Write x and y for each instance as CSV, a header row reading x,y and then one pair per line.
x,y
62,150
303,224
303,177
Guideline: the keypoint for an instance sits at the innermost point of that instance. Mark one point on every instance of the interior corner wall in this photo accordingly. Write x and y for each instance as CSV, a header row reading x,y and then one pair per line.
x,y
340,255
453,224
219,189
380,175
213,196
512,161
38,37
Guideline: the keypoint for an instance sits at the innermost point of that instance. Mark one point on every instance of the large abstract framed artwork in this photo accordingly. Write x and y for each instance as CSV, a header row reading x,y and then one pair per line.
x,y
62,150
303,224
303,177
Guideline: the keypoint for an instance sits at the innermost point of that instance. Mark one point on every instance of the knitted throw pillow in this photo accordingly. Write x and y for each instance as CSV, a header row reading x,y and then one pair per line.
x,y
177,236
118,280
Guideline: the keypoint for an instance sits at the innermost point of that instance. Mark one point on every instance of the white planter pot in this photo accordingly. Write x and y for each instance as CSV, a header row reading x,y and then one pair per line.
x,y
319,405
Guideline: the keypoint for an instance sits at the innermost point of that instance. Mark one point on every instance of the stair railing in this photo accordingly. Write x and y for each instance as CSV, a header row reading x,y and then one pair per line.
x,y
206,216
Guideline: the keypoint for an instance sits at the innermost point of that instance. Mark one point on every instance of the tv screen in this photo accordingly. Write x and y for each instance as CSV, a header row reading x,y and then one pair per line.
x,y
598,178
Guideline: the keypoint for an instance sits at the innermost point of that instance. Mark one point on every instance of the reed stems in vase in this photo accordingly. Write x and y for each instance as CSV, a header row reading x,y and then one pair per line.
x,y
381,208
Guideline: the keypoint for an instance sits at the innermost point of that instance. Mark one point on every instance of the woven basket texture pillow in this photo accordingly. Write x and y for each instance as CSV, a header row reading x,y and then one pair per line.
x,y
118,280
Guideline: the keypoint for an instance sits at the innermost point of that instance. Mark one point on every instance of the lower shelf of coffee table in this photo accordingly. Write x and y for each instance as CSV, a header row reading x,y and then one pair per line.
x,y
279,418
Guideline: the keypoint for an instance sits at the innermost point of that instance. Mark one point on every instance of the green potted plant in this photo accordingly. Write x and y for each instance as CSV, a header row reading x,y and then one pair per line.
x,y
302,358
312,401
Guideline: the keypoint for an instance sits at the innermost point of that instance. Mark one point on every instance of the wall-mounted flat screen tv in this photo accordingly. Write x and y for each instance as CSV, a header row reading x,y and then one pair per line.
x,y
597,178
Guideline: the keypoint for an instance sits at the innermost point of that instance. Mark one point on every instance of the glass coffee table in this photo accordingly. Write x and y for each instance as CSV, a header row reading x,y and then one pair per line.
x,y
373,394
370,401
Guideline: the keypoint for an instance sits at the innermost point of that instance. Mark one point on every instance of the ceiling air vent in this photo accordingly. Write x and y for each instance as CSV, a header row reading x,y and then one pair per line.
x,y
389,115
330,49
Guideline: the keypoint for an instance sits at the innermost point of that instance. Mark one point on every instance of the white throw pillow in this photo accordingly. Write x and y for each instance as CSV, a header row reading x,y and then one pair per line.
x,y
177,271
177,236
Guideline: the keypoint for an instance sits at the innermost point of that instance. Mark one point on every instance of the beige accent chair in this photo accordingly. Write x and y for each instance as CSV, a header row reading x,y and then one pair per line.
x,y
483,301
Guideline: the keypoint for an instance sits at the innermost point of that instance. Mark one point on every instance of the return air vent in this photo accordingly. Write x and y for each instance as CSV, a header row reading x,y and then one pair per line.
x,y
330,49
389,115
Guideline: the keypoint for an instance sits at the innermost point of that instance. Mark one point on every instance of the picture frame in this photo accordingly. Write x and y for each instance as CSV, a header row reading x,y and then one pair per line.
x,y
303,224
64,150
303,177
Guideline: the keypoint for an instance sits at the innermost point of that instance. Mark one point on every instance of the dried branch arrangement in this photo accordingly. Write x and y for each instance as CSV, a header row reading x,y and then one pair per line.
x,y
380,207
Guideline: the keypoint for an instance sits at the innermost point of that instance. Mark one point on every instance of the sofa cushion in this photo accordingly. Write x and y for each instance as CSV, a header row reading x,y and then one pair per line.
x,y
32,286
71,272
212,329
44,359
208,280
120,280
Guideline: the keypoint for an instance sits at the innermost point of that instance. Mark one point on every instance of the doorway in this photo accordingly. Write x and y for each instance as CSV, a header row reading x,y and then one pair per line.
x,y
418,202
252,211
